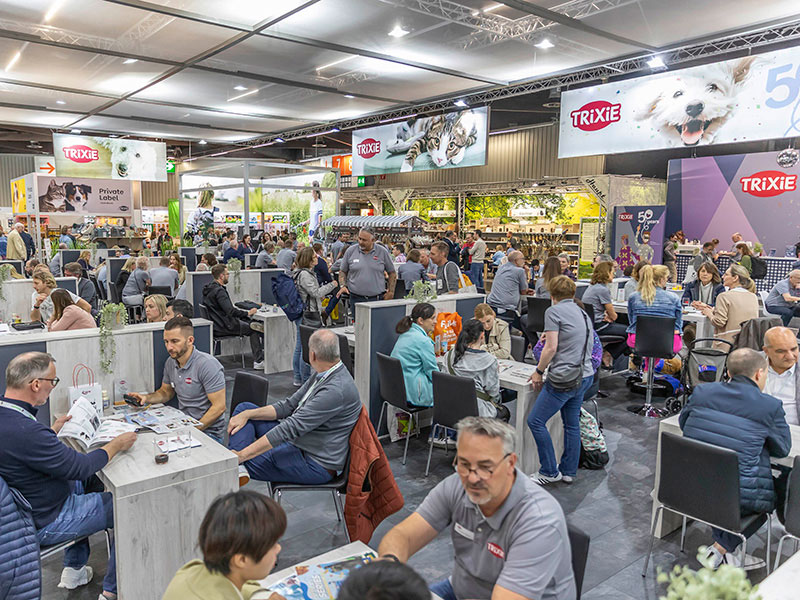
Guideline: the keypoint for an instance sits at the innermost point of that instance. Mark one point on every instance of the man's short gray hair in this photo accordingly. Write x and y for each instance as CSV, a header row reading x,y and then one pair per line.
x,y
746,361
325,344
370,231
143,263
492,428
26,367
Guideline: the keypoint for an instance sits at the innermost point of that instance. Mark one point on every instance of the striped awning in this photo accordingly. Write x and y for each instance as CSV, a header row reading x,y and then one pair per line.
x,y
377,221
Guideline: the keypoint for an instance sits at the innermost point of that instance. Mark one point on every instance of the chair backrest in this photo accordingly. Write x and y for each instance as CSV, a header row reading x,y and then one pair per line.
x,y
655,336
700,480
305,335
589,310
454,398
164,290
793,500
536,308
101,292
391,383
203,312
399,289
579,544
249,387
344,354
115,295
518,348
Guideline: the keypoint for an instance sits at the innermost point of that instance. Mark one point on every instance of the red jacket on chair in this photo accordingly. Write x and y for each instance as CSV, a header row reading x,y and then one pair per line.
x,y
372,492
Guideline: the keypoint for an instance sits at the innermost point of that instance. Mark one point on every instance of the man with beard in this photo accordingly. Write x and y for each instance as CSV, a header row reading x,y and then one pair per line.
x,y
509,535
195,377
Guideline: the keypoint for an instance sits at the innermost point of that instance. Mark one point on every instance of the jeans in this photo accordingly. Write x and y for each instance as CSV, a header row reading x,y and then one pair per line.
x,y
784,312
476,274
285,463
549,402
731,541
616,349
300,368
82,514
355,299
444,590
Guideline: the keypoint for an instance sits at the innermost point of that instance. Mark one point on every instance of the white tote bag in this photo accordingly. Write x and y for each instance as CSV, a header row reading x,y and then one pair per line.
x,y
463,286
92,390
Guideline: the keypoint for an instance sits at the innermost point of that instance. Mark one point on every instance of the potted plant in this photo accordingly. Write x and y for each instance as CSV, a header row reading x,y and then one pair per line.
x,y
726,582
5,275
235,269
112,316
422,291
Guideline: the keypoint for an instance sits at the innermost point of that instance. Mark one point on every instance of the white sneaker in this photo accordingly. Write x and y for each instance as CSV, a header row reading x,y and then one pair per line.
x,y
715,556
567,479
545,479
244,476
750,562
73,578
258,365
442,441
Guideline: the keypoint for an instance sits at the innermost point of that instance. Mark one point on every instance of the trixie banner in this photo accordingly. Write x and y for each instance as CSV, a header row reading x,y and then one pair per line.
x,y
109,158
744,99
753,194
455,139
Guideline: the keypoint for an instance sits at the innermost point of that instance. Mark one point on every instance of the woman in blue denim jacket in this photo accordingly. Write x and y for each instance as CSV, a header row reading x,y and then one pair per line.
x,y
653,300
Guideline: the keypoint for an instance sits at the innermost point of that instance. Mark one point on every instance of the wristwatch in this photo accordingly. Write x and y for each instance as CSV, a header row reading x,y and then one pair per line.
x,y
539,371
36,306
390,557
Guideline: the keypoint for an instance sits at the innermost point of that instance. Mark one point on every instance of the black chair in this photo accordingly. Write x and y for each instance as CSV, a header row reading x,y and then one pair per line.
x,y
393,393
518,348
101,291
336,486
399,289
792,513
536,308
204,314
655,338
700,481
164,290
579,544
454,398
249,387
345,356
305,335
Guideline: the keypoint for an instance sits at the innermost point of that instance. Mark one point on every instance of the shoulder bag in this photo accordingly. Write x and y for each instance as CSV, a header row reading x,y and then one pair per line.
x,y
572,376
310,318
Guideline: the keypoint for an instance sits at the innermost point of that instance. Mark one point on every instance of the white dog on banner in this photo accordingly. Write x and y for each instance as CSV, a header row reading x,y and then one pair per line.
x,y
690,109
131,159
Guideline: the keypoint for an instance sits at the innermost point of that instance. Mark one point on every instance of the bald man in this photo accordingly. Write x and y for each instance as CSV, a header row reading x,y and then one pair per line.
x,y
510,282
780,346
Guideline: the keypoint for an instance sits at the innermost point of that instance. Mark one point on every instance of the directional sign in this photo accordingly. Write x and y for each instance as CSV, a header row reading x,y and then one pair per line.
x,y
45,165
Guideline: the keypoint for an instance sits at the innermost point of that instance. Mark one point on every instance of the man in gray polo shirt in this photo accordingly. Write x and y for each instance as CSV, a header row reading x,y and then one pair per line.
x,y
362,271
163,276
137,284
197,378
509,535
784,298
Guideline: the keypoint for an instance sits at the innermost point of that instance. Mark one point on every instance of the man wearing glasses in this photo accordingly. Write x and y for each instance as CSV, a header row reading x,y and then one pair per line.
x,y
509,535
50,474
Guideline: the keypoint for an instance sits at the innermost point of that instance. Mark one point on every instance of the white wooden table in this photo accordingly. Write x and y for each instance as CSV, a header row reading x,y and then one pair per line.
x,y
782,583
669,521
279,339
158,509
348,332
704,327
334,555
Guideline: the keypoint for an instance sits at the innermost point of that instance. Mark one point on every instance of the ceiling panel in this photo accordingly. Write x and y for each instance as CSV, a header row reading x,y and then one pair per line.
x,y
244,12
14,93
36,118
158,130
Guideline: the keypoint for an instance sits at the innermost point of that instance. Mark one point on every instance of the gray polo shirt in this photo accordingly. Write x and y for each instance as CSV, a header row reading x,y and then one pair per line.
x,y
509,283
523,547
164,277
200,376
447,278
365,270
136,284
775,297
598,295
570,322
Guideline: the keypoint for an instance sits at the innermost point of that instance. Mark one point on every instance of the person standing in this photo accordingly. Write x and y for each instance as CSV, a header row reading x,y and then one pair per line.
x,y
453,249
3,242
30,247
478,254
447,272
15,247
363,269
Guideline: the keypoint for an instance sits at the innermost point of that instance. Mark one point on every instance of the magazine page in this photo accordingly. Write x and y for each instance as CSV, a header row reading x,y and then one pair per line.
x,y
319,582
83,425
108,430
162,419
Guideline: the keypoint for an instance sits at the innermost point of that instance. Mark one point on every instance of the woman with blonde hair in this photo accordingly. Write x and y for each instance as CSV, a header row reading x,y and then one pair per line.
x,y
652,300
155,308
125,272
734,307
176,263
84,260
496,337
67,315
41,304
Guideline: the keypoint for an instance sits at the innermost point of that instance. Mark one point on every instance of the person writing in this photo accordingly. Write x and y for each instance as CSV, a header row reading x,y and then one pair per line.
x,y
509,535
414,349
41,303
196,378
496,337
67,315
362,271
50,475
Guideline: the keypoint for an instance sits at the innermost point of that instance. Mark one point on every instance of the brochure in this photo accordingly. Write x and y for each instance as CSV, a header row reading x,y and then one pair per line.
x,y
319,582
161,419
86,428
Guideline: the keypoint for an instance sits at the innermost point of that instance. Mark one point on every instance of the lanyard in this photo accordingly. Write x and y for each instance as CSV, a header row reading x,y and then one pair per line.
x,y
320,379
17,408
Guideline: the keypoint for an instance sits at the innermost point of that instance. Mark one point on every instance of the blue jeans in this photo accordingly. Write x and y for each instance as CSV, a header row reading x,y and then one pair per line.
x,y
784,312
300,369
82,514
284,463
549,402
444,590
476,274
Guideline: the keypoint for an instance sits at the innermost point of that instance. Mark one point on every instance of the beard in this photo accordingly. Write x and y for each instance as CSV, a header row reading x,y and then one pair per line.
x,y
479,496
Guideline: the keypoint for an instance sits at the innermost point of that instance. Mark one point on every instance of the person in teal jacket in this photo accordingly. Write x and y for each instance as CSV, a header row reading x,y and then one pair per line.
x,y
414,350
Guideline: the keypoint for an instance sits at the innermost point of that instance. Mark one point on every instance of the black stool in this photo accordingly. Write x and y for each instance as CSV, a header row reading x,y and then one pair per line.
x,y
655,337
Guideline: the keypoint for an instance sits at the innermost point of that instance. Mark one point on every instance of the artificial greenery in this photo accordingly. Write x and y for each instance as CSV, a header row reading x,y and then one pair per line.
x,y
112,316
92,246
235,269
726,583
147,252
5,275
422,291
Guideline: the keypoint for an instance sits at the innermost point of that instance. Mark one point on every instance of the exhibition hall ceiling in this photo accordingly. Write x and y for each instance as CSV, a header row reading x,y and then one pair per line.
x,y
232,71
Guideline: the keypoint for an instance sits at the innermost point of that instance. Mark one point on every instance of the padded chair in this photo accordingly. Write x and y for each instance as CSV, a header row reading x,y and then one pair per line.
x,y
579,544
305,335
204,314
393,393
792,513
454,398
101,291
249,387
518,348
399,289
655,337
536,308
164,290
700,481
344,354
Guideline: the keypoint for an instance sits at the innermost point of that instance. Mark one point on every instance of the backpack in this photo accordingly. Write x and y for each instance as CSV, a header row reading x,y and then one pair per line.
x,y
594,453
287,296
758,267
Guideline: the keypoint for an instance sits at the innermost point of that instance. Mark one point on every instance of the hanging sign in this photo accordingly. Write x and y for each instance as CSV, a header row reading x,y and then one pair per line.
x,y
109,158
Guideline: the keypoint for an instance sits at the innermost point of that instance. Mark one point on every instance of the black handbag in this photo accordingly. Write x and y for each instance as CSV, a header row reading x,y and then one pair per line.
x,y
571,378
310,318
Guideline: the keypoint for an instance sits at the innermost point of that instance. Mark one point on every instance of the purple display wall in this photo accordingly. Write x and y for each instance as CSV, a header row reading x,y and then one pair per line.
x,y
638,233
714,197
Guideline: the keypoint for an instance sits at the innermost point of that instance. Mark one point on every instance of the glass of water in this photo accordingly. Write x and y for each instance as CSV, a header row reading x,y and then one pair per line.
x,y
184,442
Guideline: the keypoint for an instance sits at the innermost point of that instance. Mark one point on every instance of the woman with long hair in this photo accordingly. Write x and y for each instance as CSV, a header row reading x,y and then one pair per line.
x,y
633,282
496,336
704,290
468,359
41,303
124,274
598,296
734,307
66,314
155,308
653,300
414,350
552,268
176,264
747,256
84,260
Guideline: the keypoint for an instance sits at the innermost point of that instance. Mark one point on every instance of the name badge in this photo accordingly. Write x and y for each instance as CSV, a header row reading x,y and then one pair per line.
x,y
461,530
355,260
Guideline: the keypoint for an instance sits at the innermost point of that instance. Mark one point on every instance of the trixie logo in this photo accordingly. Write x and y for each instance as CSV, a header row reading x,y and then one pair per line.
x,y
595,115
368,148
81,154
496,550
768,183
626,217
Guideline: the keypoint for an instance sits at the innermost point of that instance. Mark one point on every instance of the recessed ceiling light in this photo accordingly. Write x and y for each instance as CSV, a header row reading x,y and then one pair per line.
x,y
460,103
491,8
13,60
130,61
60,102
53,9
75,131
280,140
112,135
349,96
202,142
398,32
243,94
336,62
240,88
545,44
656,62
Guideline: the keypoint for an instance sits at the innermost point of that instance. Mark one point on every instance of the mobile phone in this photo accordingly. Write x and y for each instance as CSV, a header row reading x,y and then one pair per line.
x,y
131,400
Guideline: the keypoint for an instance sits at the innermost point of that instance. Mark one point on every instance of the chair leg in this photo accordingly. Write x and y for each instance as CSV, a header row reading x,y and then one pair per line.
x,y
780,551
769,540
408,434
744,548
335,494
683,534
596,410
652,540
108,541
269,490
380,417
338,499
278,495
430,448
242,350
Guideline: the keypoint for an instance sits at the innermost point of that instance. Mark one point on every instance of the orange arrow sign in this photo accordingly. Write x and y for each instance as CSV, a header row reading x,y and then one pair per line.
x,y
48,168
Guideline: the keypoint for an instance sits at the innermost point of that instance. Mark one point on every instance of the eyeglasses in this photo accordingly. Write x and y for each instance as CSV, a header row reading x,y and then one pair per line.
x,y
54,380
483,472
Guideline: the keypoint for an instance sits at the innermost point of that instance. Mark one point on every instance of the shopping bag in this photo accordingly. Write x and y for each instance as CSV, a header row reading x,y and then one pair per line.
x,y
397,424
465,285
446,329
92,390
